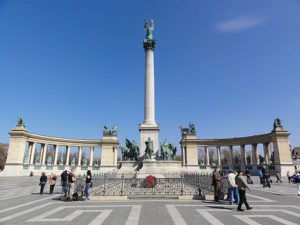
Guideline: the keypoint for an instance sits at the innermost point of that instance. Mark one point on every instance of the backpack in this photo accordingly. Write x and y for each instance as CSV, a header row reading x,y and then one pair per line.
x,y
54,178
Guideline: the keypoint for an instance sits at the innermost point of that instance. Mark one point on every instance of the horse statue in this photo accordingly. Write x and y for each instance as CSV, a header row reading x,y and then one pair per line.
x,y
130,151
113,131
188,130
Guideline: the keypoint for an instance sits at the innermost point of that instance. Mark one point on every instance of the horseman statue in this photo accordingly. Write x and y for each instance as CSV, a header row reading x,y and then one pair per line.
x,y
131,151
168,151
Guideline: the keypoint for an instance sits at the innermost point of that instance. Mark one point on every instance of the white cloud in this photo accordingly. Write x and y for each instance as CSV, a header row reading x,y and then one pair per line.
x,y
238,24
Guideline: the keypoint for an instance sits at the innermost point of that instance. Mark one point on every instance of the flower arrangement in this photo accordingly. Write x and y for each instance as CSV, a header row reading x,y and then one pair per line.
x,y
150,181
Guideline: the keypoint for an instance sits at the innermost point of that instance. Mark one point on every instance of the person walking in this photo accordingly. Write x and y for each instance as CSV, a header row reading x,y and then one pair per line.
x,y
260,176
217,184
72,179
43,181
88,181
289,176
242,185
233,190
248,175
298,181
64,182
52,181
278,177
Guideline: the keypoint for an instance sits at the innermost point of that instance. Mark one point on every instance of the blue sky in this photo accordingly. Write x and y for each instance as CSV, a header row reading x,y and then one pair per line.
x,y
69,67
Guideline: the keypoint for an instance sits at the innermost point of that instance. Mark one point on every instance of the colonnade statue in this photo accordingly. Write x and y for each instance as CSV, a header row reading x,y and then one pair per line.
x,y
188,130
21,121
113,131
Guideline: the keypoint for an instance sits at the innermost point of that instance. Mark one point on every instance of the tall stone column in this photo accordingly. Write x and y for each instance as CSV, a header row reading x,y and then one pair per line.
x,y
55,155
79,155
68,155
219,155
91,156
44,154
32,153
149,128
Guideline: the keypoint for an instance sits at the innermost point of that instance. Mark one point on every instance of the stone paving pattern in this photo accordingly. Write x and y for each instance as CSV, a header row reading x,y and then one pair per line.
x,y
21,203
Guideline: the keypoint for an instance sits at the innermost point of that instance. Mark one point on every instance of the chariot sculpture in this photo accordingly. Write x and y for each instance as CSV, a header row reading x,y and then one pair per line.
x,y
113,131
188,130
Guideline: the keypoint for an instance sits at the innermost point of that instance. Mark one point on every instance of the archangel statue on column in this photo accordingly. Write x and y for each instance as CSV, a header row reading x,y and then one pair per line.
x,y
149,29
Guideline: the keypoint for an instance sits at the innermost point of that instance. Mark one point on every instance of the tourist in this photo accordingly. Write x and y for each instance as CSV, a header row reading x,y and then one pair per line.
x,y
297,180
64,182
88,181
242,185
217,179
289,176
278,177
248,174
71,180
233,190
43,181
260,176
52,181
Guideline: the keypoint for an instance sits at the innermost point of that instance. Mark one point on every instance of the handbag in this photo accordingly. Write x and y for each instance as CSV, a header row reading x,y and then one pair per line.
x,y
91,184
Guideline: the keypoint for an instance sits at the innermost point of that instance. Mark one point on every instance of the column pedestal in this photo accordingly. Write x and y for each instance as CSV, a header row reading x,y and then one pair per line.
x,y
152,133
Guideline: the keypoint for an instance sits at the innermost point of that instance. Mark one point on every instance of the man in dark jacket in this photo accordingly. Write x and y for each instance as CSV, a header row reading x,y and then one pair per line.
x,y
242,185
217,184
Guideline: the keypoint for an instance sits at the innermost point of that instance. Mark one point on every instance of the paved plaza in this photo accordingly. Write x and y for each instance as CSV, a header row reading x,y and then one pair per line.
x,y
21,203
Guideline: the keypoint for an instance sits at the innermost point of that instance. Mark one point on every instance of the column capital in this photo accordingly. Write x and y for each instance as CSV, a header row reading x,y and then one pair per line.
x,y
149,44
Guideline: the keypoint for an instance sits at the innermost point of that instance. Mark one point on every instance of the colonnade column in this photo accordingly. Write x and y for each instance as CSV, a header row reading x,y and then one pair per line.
x,y
44,153
243,154
91,156
219,155
254,154
68,155
79,155
206,156
32,153
267,152
55,155
230,156
254,157
29,151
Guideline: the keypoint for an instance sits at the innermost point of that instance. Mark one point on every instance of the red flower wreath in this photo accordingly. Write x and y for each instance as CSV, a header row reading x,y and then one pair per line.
x,y
150,181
